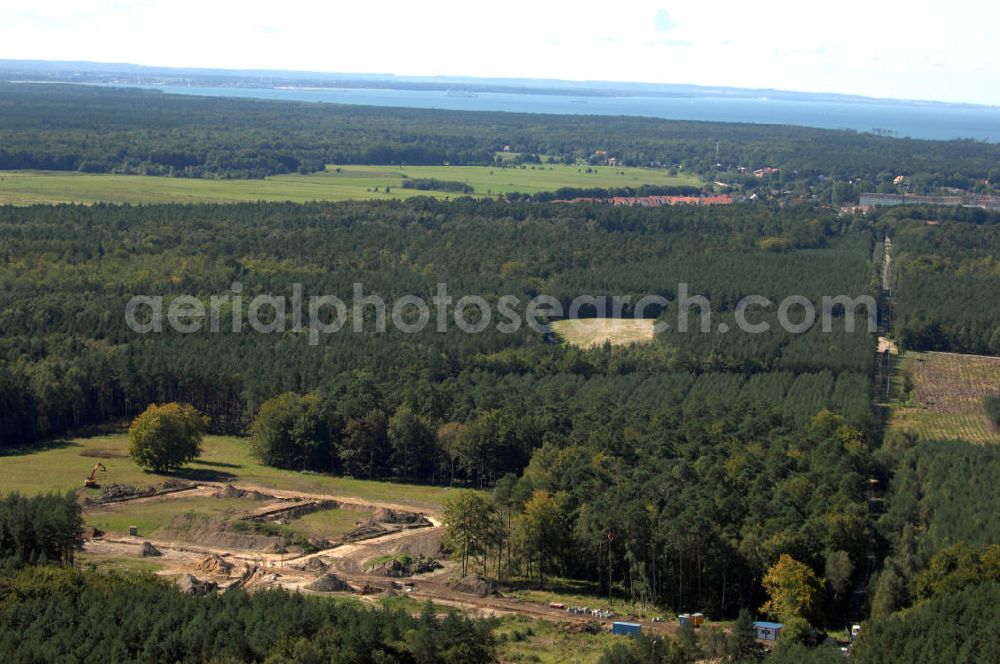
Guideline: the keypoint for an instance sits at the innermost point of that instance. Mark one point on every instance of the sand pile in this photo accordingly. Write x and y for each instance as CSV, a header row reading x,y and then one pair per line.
x,y
147,550
329,583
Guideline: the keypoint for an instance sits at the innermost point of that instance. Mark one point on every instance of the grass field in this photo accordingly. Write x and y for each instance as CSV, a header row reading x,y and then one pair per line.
x,y
328,523
151,516
103,563
337,183
587,332
944,399
63,466
527,640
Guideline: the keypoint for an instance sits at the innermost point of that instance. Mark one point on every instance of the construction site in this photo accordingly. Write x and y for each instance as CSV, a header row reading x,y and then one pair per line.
x,y
216,537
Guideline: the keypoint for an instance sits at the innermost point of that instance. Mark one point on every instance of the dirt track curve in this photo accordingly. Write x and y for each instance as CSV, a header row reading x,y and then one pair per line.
x,y
346,560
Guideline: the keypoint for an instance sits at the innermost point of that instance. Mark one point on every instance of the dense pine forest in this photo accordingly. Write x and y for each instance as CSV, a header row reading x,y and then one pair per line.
x,y
687,472
70,360
101,130
53,615
946,276
59,614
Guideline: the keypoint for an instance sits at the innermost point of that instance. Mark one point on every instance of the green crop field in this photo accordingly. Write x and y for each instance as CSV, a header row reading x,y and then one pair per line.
x,y
942,396
337,183
63,466
588,332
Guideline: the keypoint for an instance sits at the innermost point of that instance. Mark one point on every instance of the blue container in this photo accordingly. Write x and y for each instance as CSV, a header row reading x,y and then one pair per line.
x,y
626,628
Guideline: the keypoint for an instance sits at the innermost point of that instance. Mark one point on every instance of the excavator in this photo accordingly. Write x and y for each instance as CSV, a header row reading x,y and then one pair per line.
x,y
90,482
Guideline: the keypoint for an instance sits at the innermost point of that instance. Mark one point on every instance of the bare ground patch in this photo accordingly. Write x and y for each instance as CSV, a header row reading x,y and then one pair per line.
x,y
590,332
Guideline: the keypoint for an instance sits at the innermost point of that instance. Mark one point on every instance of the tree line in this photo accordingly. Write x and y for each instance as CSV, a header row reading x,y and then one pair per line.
x,y
58,615
41,529
946,278
91,129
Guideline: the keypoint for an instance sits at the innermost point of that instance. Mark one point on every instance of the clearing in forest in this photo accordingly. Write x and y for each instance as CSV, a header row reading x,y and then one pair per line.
x,y
590,332
942,396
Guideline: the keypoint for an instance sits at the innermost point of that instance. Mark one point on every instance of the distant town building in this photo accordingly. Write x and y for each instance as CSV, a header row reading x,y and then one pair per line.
x,y
655,201
767,170
968,200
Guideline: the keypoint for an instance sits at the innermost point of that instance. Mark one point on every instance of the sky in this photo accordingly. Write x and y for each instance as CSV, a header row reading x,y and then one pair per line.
x,y
943,51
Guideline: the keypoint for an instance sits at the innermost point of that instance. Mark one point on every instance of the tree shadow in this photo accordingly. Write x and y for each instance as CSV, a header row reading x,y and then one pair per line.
x,y
41,446
216,464
201,475
556,585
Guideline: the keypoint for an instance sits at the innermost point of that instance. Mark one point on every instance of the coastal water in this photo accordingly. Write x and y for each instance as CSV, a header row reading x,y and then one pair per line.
x,y
931,121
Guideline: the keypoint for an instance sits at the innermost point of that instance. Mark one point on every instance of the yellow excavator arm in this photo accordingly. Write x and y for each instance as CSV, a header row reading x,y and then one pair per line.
x,y
90,481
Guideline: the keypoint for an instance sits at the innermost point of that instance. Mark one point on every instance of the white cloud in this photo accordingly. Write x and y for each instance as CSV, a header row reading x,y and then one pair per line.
x,y
914,49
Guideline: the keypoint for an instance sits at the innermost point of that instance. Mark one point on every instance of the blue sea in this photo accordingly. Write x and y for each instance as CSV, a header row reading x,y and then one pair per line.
x,y
916,120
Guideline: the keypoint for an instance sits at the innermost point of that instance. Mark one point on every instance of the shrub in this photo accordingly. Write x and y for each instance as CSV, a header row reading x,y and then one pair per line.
x,y
992,406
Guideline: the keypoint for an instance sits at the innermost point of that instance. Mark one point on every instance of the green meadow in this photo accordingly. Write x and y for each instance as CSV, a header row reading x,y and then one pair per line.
x,y
63,465
337,183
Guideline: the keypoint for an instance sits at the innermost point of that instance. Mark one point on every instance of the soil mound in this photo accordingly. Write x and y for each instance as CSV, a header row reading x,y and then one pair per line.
x,y
396,568
174,484
423,565
386,515
195,586
113,492
329,583
215,565
218,531
230,491
147,550
255,577
474,585
426,544
391,568
312,565
365,531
